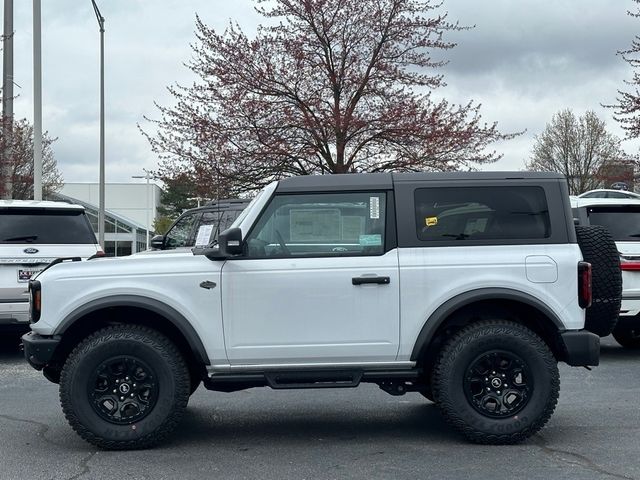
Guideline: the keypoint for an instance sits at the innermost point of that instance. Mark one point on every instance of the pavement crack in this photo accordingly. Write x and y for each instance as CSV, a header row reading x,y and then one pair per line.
x,y
578,460
43,428
84,465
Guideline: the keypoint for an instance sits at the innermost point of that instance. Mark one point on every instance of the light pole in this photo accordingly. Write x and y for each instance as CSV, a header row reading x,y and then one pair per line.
x,y
102,181
148,176
37,100
7,100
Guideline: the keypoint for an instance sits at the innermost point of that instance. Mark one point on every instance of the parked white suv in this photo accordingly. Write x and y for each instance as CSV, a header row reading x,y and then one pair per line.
x,y
467,288
32,235
622,218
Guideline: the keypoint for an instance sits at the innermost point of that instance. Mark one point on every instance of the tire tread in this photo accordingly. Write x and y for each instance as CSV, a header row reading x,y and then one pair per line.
x,y
160,344
454,347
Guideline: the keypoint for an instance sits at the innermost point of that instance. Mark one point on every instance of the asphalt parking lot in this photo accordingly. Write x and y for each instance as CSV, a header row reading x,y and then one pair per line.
x,y
358,433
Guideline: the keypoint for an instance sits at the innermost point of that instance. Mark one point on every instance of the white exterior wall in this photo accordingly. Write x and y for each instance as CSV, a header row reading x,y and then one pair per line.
x,y
130,200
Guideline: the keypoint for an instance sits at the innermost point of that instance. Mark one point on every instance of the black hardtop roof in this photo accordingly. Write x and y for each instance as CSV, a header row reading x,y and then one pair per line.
x,y
385,181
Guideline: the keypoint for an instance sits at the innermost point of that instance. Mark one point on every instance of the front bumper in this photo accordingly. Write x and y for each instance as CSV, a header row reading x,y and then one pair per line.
x,y
38,349
582,348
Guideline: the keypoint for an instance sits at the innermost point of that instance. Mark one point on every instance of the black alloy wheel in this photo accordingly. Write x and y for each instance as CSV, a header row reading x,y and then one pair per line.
x,y
498,384
124,390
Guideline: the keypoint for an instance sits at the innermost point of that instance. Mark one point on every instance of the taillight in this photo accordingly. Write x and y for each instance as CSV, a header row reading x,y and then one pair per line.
x,y
35,300
100,253
584,284
629,263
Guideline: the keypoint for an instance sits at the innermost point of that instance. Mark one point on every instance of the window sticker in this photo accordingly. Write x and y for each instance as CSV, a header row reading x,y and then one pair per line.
x,y
431,221
352,228
314,225
204,233
371,240
374,208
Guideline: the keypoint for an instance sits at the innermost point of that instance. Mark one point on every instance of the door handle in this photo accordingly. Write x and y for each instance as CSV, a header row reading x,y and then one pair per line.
x,y
208,285
369,280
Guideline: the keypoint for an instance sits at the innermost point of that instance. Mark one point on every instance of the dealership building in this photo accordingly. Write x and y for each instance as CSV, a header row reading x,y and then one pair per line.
x,y
130,211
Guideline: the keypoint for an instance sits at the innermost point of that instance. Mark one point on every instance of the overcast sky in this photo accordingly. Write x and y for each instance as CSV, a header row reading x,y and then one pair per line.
x,y
524,61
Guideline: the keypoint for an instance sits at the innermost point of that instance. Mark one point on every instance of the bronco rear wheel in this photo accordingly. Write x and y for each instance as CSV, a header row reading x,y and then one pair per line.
x,y
124,387
496,382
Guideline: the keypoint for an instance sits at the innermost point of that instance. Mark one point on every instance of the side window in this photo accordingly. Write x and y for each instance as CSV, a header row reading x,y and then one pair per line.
x,y
181,235
617,195
481,213
320,225
207,228
227,217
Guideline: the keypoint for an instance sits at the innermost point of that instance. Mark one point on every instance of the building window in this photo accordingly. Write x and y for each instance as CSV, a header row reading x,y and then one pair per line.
x,y
123,249
110,249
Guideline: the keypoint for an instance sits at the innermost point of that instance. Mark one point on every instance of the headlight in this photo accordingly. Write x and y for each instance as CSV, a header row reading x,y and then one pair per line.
x,y
35,301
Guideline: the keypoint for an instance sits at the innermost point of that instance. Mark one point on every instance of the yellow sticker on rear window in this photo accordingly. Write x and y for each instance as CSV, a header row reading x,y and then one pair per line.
x,y
431,221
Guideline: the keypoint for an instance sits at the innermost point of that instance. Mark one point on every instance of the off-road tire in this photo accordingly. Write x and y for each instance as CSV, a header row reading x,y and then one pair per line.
x,y
141,344
485,338
599,249
194,384
628,336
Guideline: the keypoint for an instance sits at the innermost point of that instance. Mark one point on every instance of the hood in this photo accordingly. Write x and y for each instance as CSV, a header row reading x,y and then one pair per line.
x,y
134,265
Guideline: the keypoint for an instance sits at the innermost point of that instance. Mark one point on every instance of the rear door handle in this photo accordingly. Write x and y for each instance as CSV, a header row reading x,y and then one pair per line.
x,y
368,280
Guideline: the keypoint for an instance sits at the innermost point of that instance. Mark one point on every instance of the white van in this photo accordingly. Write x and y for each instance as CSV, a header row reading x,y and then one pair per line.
x,y
32,235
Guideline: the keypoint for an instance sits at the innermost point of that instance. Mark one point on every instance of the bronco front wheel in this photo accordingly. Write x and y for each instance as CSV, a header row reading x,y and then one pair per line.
x,y
497,382
124,387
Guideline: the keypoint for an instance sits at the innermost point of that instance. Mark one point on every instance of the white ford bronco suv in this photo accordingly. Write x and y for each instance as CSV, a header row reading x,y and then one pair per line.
x,y
468,288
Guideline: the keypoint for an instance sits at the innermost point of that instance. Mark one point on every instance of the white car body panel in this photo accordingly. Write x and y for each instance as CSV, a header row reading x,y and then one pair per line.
x,y
430,277
170,279
306,309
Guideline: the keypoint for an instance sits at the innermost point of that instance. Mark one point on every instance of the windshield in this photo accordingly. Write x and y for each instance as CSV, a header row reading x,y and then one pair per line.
x,y
622,222
40,226
246,211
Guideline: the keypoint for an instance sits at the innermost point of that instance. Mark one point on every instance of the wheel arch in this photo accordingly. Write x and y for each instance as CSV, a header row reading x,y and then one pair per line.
x,y
483,303
131,309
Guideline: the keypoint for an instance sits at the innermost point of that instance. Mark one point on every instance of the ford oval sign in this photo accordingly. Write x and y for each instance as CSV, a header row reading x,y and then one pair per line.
x,y
31,250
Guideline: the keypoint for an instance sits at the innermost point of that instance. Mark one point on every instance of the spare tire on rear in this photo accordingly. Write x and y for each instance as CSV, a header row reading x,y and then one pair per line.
x,y
599,249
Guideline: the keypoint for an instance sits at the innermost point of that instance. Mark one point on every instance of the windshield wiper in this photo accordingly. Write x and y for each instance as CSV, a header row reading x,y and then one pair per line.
x,y
26,238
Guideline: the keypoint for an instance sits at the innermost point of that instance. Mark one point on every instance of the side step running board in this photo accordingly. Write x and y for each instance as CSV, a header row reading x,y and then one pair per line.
x,y
314,379
392,381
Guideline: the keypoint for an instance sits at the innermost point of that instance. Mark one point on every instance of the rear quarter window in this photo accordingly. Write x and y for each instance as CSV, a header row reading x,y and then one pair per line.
x,y
45,226
622,221
462,214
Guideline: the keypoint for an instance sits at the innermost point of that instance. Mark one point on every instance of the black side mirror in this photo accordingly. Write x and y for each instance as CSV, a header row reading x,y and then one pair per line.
x,y
230,242
229,245
157,242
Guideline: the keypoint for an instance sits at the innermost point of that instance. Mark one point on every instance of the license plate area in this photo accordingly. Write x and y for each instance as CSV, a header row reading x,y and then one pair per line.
x,y
25,274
